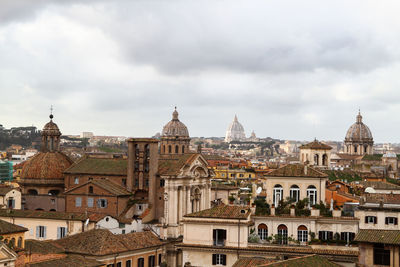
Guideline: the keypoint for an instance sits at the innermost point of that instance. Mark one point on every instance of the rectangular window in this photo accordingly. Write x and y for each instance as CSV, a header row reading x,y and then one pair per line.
x,y
219,237
159,259
90,202
61,232
110,265
102,203
391,220
11,203
347,236
381,255
78,202
371,219
76,180
128,263
162,183
219,259
325,235
152,261
302,235
119,264
40,231
140,262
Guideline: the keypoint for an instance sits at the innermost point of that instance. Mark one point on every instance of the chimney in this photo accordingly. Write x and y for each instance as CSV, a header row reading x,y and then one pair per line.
x,y
336,213
292,211
273,210
314,212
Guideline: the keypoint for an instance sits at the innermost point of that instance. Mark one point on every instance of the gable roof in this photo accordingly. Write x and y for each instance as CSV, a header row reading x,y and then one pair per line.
x,y
316,145
309,260
5,189
99,166
103,242
222,212
250,262
296,170
8,228
389,237
106,184
172,164
40,214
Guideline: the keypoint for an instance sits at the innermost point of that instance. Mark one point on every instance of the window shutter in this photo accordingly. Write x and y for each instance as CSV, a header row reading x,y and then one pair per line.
x,y
366,219
58,232
330,237
13,203
44,232
386,220
214,233
375,220
214,258
342,236
320,235
224,259
37,232
105,202
395,221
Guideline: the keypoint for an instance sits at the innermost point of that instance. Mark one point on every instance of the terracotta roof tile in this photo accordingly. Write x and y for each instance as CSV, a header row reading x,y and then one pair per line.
x,y
316,145
380,185
296,170
69,261
310,260
99,166
106,184
222,212
172,164
250,262
8,228
56,215
389,237
49,165
103,242
5,189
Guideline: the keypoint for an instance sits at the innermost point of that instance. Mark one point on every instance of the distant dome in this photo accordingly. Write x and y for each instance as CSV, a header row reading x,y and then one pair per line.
x,y
235,131
175,127
46,165
51,129
359,132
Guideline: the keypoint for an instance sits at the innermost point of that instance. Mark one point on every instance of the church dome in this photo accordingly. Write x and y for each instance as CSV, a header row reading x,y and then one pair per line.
x,y
175,128
46,165
235,131
358,132
51,129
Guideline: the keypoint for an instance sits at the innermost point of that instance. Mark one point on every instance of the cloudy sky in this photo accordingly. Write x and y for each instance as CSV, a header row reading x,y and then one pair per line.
x,y
288,69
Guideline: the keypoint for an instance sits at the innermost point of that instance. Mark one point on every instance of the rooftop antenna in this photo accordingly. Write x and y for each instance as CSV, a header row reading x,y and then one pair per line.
x,y
51,112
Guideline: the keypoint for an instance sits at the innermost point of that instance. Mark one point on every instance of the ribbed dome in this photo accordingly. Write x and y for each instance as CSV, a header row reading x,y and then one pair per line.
x,y
51,129
358,132
235,131
46,165
175,127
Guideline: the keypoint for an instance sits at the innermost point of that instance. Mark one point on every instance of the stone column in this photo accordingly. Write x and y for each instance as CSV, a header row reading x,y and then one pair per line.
x,y
180,193
174,205
188,201
184,201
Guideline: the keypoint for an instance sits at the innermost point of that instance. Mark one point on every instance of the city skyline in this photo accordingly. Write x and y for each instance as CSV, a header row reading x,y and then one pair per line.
x,y
120,68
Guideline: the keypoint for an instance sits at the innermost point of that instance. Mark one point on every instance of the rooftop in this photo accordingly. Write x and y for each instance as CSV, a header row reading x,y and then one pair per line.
x,y
100,166
250,262
380,185
310,260
103,242
388,237
39,214
107,185
172,164
222,212
296,170
316,145
9,228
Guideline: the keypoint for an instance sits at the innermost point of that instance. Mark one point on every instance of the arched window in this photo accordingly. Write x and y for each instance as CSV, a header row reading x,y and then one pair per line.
x,y
20,242
262,231
183,149
278,192
12,242
355,148
312,195
169,149
90,189
295,193
163,149
32,192
325,160
176,149
365,149
302,233
54,192
316,159
282,234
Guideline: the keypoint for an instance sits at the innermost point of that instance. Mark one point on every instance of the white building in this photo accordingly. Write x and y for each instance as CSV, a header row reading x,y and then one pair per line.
x,y
235,131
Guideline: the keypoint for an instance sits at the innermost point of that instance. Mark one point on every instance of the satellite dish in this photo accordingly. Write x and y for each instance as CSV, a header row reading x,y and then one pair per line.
x,y
370,190
259,189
